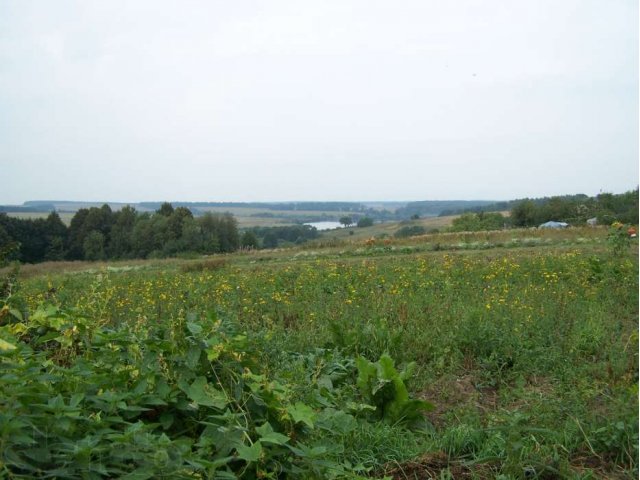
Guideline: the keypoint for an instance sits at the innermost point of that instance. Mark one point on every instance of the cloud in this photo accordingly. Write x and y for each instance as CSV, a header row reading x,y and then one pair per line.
x,y
258,100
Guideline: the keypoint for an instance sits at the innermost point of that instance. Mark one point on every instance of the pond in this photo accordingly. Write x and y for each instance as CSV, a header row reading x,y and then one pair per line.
x,y
325,225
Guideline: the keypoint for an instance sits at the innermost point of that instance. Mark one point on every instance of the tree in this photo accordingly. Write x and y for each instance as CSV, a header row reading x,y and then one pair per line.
x,y
86,221
365,222
410,231
191,238
93,246
229,236
176,220
166,209
346,220
249,240
524,214
270,240
473,222
120,245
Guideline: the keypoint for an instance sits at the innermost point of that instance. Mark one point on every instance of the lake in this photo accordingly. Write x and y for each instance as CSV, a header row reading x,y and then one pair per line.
x,y
325,225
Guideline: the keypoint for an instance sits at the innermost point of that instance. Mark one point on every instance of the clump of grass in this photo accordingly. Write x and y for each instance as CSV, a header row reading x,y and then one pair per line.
x,y
204,265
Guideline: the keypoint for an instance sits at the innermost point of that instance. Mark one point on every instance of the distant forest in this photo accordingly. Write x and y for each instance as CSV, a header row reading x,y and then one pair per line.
x,y
100,233
606,208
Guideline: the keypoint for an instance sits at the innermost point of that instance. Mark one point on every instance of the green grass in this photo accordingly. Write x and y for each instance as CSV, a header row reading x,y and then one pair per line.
x,y
525,341
64,216
387,229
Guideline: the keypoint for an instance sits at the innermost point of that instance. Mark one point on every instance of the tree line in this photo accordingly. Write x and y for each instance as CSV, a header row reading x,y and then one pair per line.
x,y
272,237
606,208
100,234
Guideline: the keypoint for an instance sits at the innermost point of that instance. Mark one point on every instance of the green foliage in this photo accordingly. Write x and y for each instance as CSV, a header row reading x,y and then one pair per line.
x,y
370,339
523,214
384,387
181,400
93,246
619,239
209,264
272,236
346,220
410,231
473,222
100,234
249,240
576,209
365,222
530,354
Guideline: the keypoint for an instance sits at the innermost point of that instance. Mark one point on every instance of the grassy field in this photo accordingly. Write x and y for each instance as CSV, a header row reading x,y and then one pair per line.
x,y
387,229
246,217
64,216
273,364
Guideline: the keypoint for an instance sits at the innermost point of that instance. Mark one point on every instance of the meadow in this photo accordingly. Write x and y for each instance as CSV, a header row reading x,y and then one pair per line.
x,y
490,355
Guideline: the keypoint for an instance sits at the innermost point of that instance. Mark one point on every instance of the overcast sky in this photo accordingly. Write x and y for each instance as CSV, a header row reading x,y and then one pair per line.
x,y
317,100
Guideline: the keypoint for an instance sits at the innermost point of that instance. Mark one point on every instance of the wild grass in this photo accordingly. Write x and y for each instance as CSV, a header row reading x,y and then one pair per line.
x,y
525,341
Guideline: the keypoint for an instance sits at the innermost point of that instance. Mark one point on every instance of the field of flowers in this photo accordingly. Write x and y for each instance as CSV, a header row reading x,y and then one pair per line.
x,y
526,359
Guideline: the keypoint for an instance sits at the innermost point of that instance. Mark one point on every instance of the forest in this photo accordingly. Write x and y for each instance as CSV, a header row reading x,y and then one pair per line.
x,y
101,234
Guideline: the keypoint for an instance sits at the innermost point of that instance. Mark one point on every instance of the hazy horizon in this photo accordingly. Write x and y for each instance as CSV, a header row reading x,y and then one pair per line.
x,y
338,200
347,100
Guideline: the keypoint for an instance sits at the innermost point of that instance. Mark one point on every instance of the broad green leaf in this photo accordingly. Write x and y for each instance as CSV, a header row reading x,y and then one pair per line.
x,y
139,474
268,435
205,394
251,453
166,420
6,346
192,357
76,398
18,328
194,328
302,413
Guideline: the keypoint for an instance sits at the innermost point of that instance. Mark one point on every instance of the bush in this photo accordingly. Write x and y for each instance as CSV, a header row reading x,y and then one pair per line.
x,y
410,231
365,222
208,264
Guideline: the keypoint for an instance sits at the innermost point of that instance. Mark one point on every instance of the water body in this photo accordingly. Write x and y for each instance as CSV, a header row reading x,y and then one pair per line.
x,y
325,225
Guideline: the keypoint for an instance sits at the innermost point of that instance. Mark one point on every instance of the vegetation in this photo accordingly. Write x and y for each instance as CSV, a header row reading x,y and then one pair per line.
x,y
298,364
575,210
365,222
99,234
436,207
410,231
474,222
346,220
272,237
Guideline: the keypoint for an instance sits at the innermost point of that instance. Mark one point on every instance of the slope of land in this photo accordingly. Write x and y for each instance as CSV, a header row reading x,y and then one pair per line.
x,y
525,343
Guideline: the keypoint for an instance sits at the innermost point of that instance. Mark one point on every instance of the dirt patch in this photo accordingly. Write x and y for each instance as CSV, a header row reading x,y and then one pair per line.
x,y
450,393
601,466
433,466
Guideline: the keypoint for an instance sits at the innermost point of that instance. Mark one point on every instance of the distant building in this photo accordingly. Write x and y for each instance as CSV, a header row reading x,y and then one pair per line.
x,y
592,222
553,224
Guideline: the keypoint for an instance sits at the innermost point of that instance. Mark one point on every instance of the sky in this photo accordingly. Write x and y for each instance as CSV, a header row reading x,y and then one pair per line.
x,y
347,100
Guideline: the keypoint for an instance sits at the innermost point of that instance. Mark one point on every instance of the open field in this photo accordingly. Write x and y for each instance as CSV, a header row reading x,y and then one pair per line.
x,y
525,342
388,229
64,216
247,217
250,217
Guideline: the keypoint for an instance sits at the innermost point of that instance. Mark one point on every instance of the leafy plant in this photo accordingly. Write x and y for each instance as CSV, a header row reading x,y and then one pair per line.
x,y
618,238
384,387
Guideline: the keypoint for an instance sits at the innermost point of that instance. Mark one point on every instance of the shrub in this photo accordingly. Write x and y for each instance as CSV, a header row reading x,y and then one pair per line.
x,y
208,264
410,231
